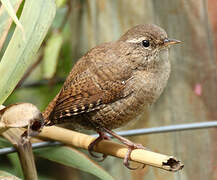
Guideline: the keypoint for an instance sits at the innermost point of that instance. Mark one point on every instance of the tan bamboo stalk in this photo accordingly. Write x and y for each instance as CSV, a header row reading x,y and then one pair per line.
x,y
80,140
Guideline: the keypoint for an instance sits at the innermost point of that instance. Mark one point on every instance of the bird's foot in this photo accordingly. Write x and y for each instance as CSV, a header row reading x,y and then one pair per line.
x,y
131,146
101,137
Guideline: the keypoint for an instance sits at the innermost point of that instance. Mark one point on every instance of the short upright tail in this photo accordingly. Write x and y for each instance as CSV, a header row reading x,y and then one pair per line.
x,y
48,110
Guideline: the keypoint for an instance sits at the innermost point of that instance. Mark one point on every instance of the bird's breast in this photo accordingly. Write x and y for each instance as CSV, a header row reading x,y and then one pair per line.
x,y
142,89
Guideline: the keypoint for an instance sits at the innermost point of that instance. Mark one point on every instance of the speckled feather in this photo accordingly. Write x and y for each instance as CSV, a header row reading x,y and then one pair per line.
x,y
112,83
83,91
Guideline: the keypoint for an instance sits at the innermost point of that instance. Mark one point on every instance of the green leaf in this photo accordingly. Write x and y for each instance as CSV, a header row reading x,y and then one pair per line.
x,y
8,176
36,18
51,55
9,7
6,20
60,3
73,158
16,166
4,143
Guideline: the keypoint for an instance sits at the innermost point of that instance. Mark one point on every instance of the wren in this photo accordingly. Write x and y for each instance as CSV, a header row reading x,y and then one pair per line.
x,y
113,83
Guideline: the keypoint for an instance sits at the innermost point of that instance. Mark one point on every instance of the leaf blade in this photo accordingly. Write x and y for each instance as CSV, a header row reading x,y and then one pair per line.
x,y
73,158
51,55
9,7
36,18
6,20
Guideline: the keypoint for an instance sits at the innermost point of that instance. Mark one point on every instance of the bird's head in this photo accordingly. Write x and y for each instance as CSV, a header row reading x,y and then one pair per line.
x,y
147,43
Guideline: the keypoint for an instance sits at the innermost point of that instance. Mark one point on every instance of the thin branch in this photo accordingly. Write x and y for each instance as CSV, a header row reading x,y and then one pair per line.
x,y
42,82
66,16
80,140
29,71
25,153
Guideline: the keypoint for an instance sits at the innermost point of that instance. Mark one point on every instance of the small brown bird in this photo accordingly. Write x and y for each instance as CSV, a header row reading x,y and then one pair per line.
x,y
113,83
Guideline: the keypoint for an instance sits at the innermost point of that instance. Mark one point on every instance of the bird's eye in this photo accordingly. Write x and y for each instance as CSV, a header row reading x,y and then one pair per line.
x,y
145,43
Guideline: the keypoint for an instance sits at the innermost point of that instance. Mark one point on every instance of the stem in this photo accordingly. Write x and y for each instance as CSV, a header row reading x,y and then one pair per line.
x,y
25,153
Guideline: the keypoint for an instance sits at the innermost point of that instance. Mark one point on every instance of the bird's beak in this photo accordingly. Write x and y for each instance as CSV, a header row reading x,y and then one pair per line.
x,y
171,41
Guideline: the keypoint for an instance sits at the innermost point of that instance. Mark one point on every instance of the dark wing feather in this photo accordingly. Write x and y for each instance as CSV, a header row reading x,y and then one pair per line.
x,y
85,95
81,97
95,81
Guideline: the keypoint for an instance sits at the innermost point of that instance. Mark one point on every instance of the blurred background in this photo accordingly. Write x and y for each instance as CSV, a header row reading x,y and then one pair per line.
x,y
191,94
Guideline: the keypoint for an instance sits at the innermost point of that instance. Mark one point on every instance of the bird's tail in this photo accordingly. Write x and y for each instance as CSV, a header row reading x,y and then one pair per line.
x,y
48,111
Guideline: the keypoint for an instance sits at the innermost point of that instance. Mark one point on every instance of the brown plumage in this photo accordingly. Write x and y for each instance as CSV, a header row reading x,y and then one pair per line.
x,y
113,82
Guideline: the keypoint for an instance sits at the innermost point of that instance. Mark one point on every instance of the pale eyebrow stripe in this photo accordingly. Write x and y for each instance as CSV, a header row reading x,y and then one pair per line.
x,y
136,40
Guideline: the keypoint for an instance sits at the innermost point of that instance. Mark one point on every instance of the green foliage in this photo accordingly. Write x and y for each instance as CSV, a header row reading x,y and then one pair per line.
x,y
14,161
36,18
73,158
51,54
10,10
16,166
4,143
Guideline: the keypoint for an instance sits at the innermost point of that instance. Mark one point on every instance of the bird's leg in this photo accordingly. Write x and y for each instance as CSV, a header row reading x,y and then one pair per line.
x,y
101,137
131,146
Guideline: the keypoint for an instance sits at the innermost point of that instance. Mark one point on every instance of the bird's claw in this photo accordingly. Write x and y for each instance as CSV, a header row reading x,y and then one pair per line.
x,y
127,157
131,146
101,137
